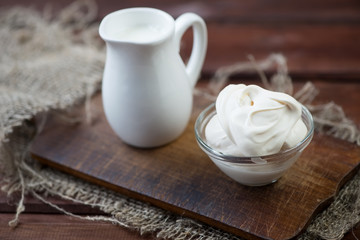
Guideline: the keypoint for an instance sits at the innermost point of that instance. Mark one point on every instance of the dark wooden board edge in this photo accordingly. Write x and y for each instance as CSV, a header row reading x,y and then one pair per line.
x,y
327,202
185,213
155,202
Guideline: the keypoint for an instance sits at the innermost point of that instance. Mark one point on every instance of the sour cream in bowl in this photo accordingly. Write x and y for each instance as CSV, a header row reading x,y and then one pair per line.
x,y
254,135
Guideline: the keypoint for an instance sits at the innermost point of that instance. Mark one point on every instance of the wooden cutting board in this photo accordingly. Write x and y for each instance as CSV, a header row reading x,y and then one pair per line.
x,y
180,178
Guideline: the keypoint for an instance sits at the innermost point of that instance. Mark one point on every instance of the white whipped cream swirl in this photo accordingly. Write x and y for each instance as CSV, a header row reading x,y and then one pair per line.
x,y
252,121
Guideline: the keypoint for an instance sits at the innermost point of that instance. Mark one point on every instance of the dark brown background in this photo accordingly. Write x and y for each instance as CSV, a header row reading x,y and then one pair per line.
x,y
319,38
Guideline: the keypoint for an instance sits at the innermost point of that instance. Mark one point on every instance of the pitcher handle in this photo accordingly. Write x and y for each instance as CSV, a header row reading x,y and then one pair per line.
x,y
198,51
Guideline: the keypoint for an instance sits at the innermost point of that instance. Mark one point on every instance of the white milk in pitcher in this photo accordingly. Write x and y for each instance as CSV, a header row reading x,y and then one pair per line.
x,y
138,33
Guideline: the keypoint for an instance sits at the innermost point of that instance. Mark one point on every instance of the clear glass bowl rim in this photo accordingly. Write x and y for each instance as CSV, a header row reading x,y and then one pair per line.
x,y
204,115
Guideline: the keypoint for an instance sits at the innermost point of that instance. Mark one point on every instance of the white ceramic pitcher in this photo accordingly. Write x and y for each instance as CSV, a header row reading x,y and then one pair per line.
x,y
147,89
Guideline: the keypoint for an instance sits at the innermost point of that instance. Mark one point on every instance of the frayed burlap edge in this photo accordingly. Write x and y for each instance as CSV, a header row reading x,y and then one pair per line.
x,y
24,174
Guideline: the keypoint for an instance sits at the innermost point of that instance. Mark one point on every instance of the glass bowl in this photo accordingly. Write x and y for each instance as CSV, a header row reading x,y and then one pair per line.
x,y
253,170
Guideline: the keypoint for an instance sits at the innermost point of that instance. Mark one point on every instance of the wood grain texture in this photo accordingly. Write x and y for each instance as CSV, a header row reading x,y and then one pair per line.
x,y
317,51
8,204
256,11
179,177
319,38
54,226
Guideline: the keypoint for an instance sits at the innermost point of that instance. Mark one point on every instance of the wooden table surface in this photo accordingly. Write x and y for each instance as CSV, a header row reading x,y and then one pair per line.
x,y
320,39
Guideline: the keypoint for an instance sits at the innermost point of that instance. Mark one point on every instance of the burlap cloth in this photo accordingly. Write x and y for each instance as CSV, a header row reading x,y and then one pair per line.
x,y
48,64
